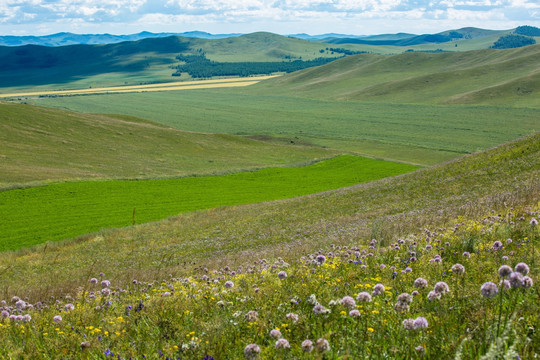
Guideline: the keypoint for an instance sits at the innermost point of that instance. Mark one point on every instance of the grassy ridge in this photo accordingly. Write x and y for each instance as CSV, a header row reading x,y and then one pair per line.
x,y
429,134
57,211
421,78
41,144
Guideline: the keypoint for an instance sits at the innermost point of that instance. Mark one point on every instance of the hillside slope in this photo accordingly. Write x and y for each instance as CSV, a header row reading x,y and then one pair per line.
x,y
464,77
492,180
38,144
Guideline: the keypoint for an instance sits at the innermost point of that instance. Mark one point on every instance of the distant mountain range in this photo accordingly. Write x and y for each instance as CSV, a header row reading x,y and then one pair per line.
x,y
66,38
399,39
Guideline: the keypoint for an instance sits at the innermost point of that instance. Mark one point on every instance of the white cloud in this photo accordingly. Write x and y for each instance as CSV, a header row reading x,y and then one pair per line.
x,y
245,15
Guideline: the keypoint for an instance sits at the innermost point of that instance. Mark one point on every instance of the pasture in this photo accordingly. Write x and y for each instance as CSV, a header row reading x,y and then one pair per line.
x,y
59,211
415,133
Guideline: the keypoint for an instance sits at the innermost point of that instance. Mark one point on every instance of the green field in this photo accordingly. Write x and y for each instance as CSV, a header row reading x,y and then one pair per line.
x,y
41,144
415,133
58,211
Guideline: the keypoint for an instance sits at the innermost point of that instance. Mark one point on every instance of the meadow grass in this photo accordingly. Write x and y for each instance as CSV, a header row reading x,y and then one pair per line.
x,y
41,145
432,133
419,297
52,212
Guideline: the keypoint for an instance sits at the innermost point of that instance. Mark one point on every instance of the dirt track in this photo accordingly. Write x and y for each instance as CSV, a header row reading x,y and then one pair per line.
x,y
178,85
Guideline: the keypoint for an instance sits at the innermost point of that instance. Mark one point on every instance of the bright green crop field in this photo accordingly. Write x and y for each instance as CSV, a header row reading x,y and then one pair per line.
x,y
58,211
414,133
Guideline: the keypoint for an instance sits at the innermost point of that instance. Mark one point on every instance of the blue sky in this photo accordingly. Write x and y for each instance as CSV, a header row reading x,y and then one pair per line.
x,y
359,17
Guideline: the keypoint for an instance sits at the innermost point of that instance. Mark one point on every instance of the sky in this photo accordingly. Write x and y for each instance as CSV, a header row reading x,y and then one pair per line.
x,y
356,17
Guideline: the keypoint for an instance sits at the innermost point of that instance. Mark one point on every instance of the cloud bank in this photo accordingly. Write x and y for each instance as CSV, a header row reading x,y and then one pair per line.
x,y
280,16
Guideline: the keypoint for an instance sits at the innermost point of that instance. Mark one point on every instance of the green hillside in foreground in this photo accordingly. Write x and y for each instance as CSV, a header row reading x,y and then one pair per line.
x,y
497,77
40,144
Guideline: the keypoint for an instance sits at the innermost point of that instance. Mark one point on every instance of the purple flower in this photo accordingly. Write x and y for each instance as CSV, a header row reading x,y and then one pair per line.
x,y
282,344
408,324
378,289
320,259
420,323
505,270
292,316
458,269
322,345
420,283
348,301
319,309
364,297
229,284
522,268
516,279
282,275
93,281
441,287
275,334
69,307
251,351
497,245
489,289
307,345
533,222
354,313
527,282
57,319
433,295
467,254
105,283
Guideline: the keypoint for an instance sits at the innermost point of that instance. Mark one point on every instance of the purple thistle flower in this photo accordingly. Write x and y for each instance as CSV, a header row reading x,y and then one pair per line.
x,y
93,281
348,301
69,307
441,287
282,344
497,245
322,345
516,279
420,283
252,351
522,268
505,270
275,334
229,284
282,275
533,222
408,324
307,345
378,289
467,254
420,323
292,316
320,259
354,313
489,289
527,282
105,283
458,269
433,295
363,297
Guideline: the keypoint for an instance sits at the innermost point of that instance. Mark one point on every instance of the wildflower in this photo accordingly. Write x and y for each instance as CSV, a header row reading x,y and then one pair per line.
x,y
516,279
15,299
57,319
522,268
415,293
497,245
441,287
467,254
320,259
5,314
420,283
505,270
408,324
275,334
489,289
322,345
229,284
21,304
420,323
408,270
378,289
348,301
433,295
307,345
458,269
292,316
527,282
401,306
364,296
105,283
404,298
508,241
505,284
533,222
251,351
69,307
252,316
93,281
282,275
312,300
106,292
420,349
27,318
282,344
166,293
319,309
85,345
354,313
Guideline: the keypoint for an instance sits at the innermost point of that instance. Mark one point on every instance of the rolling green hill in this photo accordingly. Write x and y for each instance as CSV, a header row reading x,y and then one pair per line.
x,y
41,144
482,77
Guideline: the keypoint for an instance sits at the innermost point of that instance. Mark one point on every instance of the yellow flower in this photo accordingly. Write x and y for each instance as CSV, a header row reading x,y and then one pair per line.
x,y
375,312
370,330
